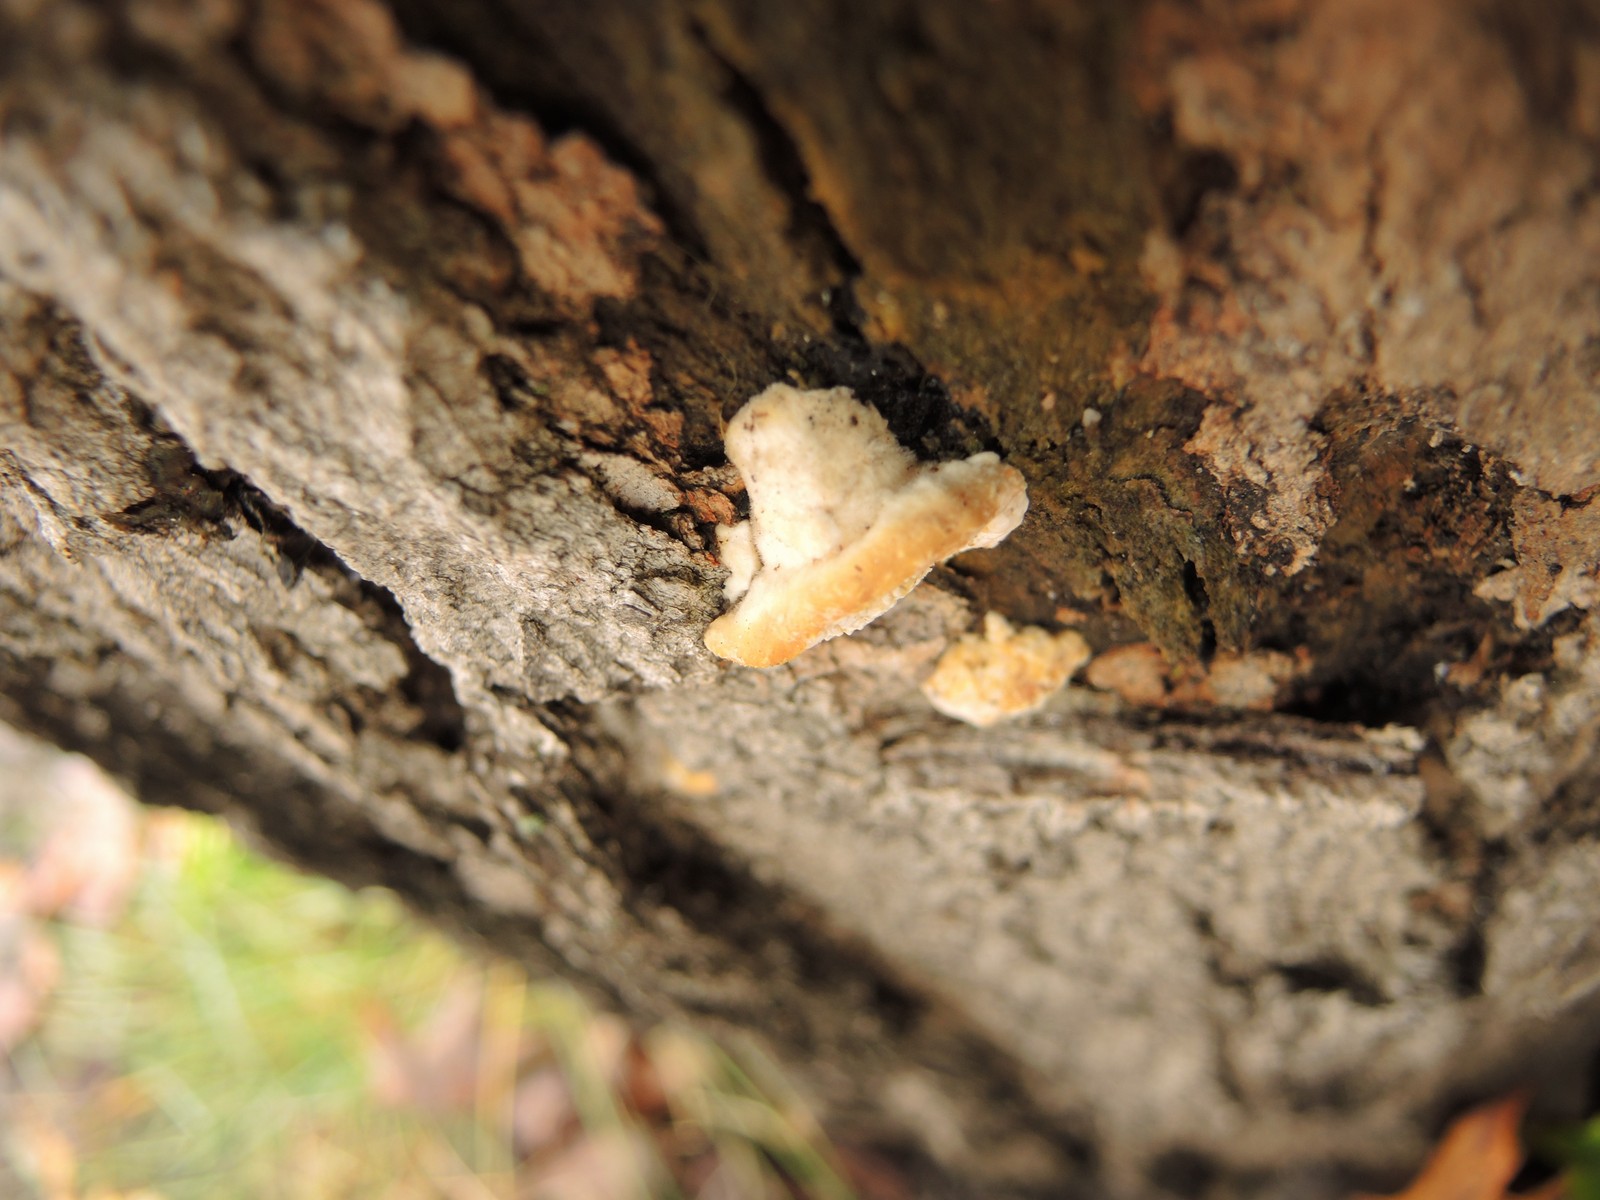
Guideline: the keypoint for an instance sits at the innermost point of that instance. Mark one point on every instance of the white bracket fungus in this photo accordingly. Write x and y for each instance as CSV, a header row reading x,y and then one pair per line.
x,y
843,521
1003,672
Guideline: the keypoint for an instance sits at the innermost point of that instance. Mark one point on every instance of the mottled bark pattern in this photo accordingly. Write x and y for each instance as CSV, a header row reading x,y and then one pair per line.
x,y
361,377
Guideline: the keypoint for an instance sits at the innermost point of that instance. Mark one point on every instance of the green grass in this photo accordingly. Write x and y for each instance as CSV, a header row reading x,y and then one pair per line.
x,y
226,1008
1578,1151
217,1042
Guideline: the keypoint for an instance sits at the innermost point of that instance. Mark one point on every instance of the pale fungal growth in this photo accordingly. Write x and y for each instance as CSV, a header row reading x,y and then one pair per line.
x,y
1004,671
843,521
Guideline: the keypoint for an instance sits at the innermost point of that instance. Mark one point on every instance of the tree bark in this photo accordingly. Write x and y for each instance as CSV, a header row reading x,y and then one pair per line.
x,y
362,372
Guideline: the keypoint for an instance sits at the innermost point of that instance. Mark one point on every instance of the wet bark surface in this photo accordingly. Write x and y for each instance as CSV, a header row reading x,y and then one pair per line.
x,y
362,372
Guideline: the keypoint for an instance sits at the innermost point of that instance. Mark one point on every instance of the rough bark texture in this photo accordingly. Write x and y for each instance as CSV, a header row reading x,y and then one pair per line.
x,y
361,371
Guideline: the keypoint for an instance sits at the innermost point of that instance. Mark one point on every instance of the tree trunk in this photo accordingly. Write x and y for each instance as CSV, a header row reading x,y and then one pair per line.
x,y
362,372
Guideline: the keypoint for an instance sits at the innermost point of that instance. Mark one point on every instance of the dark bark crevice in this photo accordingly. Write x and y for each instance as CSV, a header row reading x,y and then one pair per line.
x,y
785,167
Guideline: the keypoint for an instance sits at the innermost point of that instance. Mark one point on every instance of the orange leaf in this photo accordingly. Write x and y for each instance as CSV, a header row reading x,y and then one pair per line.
x,y
1477,1158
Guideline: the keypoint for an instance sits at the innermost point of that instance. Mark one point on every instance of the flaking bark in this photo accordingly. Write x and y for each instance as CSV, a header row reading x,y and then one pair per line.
x,y
361,374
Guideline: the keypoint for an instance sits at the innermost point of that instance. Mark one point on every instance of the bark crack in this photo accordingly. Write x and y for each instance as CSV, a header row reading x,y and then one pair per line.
x,y
785,168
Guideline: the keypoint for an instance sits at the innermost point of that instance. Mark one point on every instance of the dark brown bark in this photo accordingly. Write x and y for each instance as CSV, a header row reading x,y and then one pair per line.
x,y
361,377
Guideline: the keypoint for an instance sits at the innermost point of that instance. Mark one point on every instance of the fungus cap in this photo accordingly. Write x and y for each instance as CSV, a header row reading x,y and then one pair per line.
x,y
843,521
1004,671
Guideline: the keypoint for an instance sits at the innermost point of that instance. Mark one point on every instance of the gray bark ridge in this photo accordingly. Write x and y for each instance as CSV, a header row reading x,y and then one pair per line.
x,y
339,496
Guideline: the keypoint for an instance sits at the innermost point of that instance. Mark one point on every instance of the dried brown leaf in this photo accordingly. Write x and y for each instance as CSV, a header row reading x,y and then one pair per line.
x,y
1477,1158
